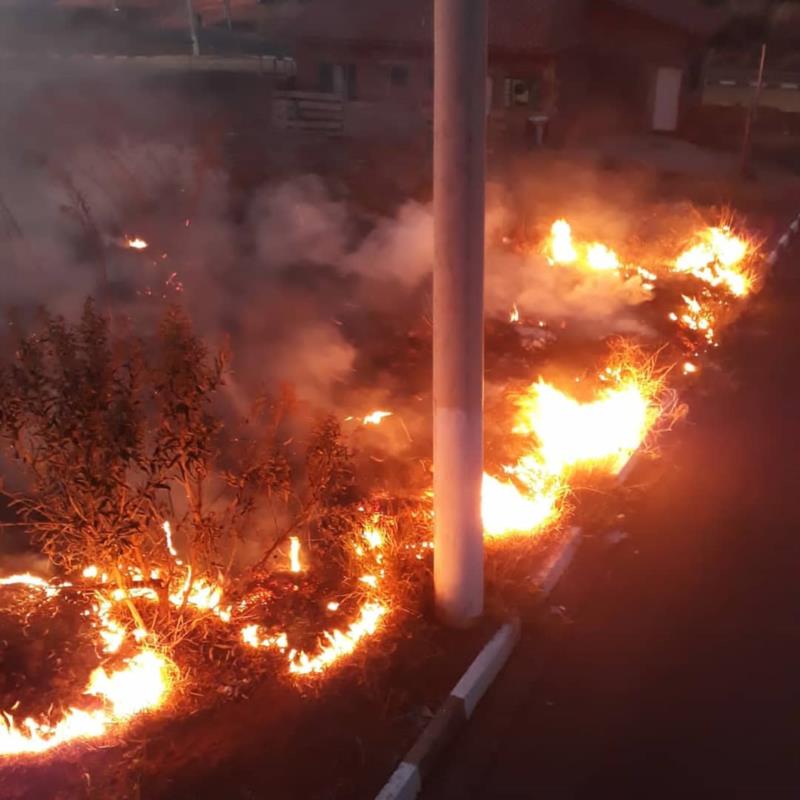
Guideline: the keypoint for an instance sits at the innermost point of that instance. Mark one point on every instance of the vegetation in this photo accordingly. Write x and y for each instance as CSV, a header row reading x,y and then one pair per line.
x,y
118,435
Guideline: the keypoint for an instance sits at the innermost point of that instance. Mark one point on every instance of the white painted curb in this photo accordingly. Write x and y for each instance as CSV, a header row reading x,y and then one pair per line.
x,y
406,781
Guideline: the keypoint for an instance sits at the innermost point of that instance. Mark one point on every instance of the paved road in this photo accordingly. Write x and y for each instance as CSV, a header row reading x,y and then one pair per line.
x,y
676,672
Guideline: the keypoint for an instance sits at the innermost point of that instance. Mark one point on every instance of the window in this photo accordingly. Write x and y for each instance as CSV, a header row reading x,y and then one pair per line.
x,y
351,81
325,77
521,92
339,79
398,75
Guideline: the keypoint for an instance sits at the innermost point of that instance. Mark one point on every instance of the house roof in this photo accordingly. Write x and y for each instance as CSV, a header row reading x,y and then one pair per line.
x,y
514,25
689,15
58,31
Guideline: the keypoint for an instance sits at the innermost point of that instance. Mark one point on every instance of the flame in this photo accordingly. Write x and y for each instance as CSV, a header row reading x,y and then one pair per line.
x,y
560,246
514,315
135,243
506,509
568,434
33,582
141,685
294,554
716,259
337,643
600,257
562,249
697,318
168,538
603,432
376,417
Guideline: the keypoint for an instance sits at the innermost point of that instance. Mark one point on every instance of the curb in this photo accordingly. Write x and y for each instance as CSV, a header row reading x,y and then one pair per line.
x,y
783,241
405,782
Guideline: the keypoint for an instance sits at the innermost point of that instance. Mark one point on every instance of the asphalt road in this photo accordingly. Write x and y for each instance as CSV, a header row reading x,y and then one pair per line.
x,y
673,669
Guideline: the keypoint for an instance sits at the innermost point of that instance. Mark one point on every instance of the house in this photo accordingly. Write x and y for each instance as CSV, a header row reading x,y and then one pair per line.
x,y
625,62
378,56
643,60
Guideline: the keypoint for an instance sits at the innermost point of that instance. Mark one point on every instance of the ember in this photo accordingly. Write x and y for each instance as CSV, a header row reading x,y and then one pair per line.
x,y
135,243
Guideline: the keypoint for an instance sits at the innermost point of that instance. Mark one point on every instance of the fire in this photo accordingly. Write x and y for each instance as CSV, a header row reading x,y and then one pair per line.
x,y
135,243
601,433
506,509
562,249
560,245
335,644
600,257
376,417
168,538
567,434
697,318
294,555
338,644
563,434
717,259
32,582
141,685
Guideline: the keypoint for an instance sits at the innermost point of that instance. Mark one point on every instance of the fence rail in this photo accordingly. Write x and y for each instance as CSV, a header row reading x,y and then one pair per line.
x,y
310,111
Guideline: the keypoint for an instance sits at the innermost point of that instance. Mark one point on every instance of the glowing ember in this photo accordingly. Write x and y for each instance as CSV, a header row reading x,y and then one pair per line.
x,y
697,318
294,555
689,368
716,259
135,243
376,417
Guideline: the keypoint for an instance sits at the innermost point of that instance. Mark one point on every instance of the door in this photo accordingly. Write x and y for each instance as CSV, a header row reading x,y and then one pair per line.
x,y
666,98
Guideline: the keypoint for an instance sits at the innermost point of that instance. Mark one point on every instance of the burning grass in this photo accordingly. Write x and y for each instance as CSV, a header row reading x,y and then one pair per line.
x,y
139,495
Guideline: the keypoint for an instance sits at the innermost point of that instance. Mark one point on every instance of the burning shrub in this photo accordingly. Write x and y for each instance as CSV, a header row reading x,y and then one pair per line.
x,y
124,450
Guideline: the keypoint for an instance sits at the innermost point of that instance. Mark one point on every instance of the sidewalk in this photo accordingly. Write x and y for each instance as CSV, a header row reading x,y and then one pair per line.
x,y
673,669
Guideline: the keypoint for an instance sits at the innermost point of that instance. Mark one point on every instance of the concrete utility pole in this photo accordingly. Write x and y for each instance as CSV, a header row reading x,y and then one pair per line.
x,y
193,28
459,145
227,6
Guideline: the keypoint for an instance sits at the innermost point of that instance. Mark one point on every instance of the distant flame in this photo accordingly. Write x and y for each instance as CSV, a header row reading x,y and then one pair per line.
x,y
294,555
514,315
135,243
560,246
376,417
168,538
716,259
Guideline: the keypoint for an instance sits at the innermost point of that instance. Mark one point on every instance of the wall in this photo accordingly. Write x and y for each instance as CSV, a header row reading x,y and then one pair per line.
x,y
623,50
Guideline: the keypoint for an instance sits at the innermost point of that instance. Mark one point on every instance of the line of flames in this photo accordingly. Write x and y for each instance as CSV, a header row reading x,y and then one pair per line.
x,y
565,436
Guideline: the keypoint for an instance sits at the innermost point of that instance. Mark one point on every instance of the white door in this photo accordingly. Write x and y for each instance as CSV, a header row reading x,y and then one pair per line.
x,y
666,98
